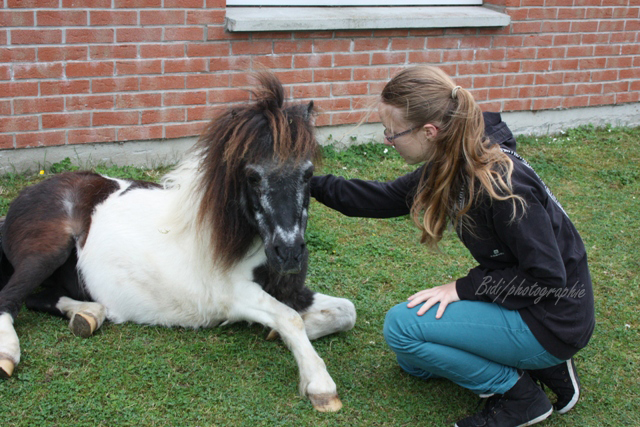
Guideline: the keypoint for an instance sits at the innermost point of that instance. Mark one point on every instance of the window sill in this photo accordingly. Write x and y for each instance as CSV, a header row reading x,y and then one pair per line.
x,y
243,19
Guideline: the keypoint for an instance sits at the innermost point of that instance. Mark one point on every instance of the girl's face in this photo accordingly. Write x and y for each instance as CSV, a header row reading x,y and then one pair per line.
x,y
415,146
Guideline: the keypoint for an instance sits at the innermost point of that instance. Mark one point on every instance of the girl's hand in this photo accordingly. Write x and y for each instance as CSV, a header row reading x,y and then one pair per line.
x,y
443,294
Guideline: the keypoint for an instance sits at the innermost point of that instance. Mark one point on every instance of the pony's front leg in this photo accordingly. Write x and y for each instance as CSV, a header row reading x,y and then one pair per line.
x,y
9,346
328,315
255,305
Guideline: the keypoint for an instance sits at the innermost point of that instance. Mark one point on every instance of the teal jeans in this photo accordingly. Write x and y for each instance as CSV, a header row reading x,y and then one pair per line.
x,y
478,345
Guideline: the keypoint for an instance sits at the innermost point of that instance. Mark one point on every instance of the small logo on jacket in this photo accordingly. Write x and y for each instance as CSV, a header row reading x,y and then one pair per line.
x,y
496,252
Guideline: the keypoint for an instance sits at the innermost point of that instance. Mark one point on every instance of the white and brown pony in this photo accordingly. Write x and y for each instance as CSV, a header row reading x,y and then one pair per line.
x,y
220,241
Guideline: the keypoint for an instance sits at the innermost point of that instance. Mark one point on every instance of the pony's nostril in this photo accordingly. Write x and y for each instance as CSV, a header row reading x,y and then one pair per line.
x,y
279,253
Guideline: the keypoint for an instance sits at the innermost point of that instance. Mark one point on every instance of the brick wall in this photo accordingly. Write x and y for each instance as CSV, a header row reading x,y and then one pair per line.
x,y
83,71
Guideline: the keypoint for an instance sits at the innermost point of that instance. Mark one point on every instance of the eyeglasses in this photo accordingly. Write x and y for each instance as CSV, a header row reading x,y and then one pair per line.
x,y
398,135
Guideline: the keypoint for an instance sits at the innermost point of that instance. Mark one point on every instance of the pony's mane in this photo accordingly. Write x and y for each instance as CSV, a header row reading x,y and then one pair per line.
x,y
262,129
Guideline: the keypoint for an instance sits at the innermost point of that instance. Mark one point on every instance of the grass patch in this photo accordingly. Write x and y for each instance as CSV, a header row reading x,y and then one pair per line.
x,y
142,375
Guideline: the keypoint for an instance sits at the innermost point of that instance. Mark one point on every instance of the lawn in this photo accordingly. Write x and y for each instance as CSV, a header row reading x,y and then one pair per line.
x,y
230,376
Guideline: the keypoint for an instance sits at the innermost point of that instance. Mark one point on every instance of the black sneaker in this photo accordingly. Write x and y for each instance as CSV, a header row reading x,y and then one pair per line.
x,y
563,380
524,405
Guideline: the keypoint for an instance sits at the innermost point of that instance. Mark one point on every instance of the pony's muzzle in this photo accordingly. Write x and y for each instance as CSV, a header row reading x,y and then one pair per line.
x,y
289,257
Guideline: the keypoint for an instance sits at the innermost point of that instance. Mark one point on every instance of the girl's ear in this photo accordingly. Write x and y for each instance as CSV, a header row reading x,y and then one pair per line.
x,y
430,131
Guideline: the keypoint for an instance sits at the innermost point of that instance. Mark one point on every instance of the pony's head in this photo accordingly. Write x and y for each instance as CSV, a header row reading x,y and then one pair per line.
x,y
255,169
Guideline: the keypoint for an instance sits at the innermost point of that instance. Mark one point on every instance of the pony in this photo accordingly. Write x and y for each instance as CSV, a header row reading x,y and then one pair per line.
x,y
221,240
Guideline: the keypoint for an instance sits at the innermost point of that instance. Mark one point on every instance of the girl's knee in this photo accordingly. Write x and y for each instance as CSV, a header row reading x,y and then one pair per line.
x,y
394,326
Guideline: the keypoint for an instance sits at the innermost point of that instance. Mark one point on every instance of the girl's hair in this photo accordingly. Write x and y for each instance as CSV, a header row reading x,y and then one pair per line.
x,y
463,164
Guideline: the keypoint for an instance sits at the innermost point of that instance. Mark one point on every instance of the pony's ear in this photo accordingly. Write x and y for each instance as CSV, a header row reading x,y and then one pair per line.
x,y
308,114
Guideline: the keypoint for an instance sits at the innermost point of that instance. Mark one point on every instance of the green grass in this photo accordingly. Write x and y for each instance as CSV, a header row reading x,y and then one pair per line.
x,y
150,376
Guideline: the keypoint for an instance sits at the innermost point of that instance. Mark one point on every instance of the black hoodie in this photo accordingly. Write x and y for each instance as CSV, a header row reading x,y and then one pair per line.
x,y
536,264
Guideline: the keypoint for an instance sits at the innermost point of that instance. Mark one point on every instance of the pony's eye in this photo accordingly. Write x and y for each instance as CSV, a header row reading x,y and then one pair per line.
x,y
254,179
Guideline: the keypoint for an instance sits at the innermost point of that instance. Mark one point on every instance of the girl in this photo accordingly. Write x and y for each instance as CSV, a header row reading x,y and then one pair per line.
x,y
527,308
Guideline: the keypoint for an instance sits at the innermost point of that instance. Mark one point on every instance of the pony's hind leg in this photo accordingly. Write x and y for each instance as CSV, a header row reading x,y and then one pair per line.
x,y
328,315
86,317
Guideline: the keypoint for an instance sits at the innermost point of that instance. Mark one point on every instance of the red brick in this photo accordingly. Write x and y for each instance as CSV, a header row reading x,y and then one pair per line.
x,y
591,63
589,88
205,17
543,13
113,51
477,68
91,102
604,75
215,3
21,54
297,76
429,56
518,79
162,50
547,103
83,69
14,18
184,98
113,18
251,48
162,82
122,84
139,100
333,74
521,53
64,87
37,71
163,115
139,67
615,87
5,108
478,42
608,50
6,142
379,58
350,59
201,113
186,65
502,93
341,89
538,40
602,99
556,27
136,133
549,78
123,4
187,4
333,104
542,65
610,26
273,61
347,117
627,97
566,39
184,34
443,43
595,13
147,34
18,123
312,91
517,104
616,62
370,73
32,3
490,54
40,139
551,52
488,81
603,38
15,89
207,49
562,90
565,64
577,77
362,44
414,43
106,118
55,18
296,46
227,95
81,136
86,4
207,80
584,26
390,33
271,35
236,63
92,35
312,61
162,17
38,105
62,53
458,55
217,32
66,120
36,36
575,101
182,130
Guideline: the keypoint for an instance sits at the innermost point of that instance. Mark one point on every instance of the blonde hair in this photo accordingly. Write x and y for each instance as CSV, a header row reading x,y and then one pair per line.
x,y
463,164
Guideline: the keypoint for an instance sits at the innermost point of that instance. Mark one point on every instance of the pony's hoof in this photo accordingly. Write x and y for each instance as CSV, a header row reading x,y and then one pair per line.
x,y
273,335
6,368
326,402
83,325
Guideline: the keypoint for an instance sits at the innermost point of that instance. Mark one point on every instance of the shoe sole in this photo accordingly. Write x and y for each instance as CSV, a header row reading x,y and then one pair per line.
x,y
576,386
